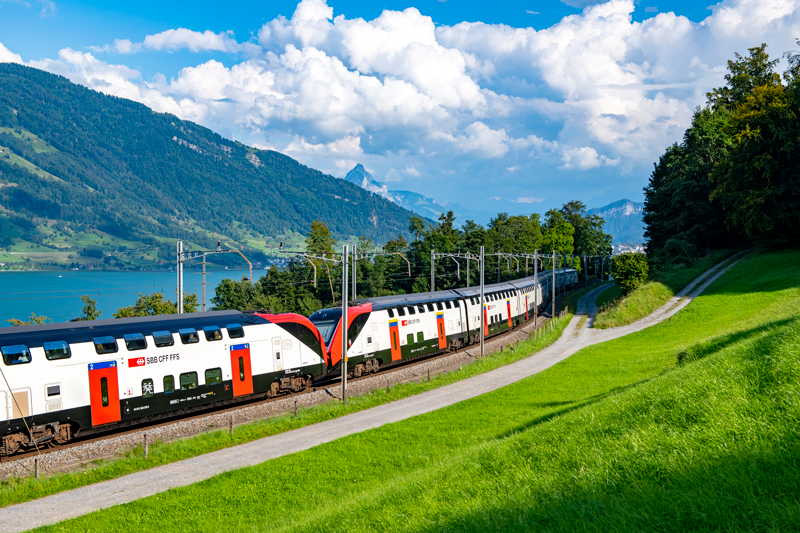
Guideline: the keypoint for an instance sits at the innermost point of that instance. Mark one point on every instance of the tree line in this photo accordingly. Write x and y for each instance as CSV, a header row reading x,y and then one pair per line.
x,y
401,267
734,178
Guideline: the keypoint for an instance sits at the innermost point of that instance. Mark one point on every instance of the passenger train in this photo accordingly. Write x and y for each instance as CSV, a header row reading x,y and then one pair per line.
x,y
388,330
61,380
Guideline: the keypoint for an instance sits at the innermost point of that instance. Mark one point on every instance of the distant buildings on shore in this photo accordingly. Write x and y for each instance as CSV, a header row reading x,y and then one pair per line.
x,y
627,248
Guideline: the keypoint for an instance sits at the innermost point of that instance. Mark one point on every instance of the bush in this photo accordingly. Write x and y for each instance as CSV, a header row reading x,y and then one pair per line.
x,y
629,270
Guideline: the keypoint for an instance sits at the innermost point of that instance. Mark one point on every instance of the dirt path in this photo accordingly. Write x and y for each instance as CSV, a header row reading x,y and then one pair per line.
x,y
578,334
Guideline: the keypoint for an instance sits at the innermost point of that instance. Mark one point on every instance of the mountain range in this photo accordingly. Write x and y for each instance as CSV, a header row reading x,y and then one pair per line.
x,y
623,217
623,221
79,168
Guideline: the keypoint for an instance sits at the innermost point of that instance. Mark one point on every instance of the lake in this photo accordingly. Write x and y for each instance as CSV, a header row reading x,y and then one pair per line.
x,y
56,294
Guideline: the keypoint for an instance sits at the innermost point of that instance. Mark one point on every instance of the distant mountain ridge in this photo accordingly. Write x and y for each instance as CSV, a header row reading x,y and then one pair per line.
x,y
74,161
422,205
623,221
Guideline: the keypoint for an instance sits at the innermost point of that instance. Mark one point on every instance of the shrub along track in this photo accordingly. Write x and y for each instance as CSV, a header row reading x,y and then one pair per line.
x,y
108,445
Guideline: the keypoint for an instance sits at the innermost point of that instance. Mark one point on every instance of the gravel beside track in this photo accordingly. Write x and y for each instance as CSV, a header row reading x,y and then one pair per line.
x,y
76,455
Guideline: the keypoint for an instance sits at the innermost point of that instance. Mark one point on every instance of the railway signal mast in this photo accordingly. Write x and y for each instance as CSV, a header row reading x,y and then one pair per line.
x,y
186,256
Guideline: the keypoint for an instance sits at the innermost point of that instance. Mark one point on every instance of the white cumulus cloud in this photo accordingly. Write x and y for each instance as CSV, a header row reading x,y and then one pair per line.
x,y
7,56
594,98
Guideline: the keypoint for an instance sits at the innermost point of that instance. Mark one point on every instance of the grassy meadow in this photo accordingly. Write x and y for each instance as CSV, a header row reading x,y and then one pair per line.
x,y
618,310
691,424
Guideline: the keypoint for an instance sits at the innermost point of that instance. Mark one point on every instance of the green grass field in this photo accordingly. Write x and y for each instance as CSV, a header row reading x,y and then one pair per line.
x,y
689,425
617,310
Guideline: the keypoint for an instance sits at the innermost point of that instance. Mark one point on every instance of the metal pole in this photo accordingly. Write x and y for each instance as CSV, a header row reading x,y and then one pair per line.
x,y
344,324
483,305
180,277
204,284
535,286
433,261
553,314
354,271
468,270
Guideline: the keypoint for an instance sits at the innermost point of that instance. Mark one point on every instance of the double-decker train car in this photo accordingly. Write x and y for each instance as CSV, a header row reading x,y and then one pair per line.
x,y
85,377
388,330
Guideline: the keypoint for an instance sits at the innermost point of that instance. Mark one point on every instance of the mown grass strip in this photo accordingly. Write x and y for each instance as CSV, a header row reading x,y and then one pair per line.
x,y
16,490
618,437
617,310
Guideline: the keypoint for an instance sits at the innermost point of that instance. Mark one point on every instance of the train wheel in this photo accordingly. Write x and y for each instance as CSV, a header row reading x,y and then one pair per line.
x,y
359,370
376,365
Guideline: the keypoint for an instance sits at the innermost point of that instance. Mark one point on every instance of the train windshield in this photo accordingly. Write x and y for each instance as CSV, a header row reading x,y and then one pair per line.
x,y
326,321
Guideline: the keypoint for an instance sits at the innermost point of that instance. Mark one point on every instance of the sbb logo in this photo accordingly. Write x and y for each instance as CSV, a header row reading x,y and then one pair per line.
x,y
136,361
405,322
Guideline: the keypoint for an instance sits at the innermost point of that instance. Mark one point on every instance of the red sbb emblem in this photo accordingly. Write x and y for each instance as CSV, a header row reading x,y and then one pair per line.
x,y
405,322
136,361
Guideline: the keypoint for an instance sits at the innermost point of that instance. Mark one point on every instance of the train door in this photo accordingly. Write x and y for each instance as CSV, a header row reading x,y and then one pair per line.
x,y
440,330
508,307
276,353
104,392
394,339
20,401
240,370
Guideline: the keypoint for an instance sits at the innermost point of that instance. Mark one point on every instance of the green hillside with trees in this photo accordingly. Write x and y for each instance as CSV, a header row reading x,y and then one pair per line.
x,y
84,172
735,178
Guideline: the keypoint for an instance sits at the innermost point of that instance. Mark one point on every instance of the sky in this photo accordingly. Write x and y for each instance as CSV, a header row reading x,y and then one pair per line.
x,y
512,106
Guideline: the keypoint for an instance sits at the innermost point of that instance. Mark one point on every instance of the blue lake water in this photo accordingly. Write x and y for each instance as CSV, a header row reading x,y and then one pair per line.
x,y
56,294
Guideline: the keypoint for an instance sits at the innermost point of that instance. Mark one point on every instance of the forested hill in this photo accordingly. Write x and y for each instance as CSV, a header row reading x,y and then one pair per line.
x,y
76,160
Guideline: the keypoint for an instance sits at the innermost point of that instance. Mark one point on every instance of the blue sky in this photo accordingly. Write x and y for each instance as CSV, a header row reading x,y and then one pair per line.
x,y
507,106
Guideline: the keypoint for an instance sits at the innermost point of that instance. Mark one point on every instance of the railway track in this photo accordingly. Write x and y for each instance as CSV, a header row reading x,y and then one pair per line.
x,y
382,375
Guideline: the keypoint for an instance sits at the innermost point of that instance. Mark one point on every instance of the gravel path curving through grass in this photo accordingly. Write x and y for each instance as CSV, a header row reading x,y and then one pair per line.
x,y
577,335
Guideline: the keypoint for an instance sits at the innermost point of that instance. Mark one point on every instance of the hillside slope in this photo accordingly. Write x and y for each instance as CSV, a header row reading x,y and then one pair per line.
x,y
75,161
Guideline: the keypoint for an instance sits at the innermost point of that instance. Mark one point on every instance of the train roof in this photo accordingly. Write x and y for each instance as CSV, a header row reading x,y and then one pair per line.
x,y
382,302
80,331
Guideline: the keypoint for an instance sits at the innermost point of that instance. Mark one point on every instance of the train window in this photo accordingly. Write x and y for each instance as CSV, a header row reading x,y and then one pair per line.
x,y
356,326
169,384
391,313
430,307
53,390
135,341
214,376
421,308
447,304
235,331
147,388
212,333
420,337
104,345
410,338
401,311
411,310
188,381
308,338
104,391
188,335
241,369
439,306
163,338
56,350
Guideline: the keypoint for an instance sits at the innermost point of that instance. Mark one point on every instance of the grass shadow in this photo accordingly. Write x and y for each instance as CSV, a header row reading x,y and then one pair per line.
x,y
715,344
